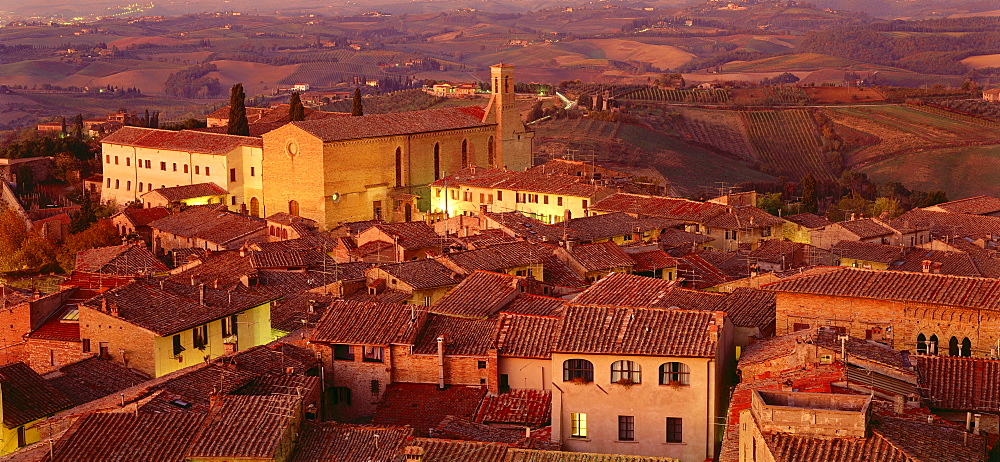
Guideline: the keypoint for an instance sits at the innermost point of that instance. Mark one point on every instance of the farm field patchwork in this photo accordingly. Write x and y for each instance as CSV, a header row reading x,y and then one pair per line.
x,y
959,171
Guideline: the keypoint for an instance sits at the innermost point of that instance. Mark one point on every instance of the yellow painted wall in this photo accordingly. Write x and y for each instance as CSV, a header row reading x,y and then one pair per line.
x,y
254,328
863,263
505,201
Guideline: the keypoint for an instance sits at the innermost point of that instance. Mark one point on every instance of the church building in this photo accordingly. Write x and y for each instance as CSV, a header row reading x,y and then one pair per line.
x,y
377,166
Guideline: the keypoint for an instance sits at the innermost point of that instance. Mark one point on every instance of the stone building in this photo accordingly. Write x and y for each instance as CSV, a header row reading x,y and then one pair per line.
x,y
357,168
931,313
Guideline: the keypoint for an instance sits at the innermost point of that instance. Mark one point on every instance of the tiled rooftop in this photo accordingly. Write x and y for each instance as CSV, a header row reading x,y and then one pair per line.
x,y
423,406
334,441
422,274
120,260
663,207
411,235
438,450
601,256
293,311
188,191
210,224
399,123
978,205
936,289
463,336
538,305
93,378
510,180
532,408
866,228
743,218
615,224
526,336
479,295
368,323
459,428
168,308
777,251
638,331
967,384
27,396
498,257
250,427
651,260
143,217
748,307
115,437
184,140
527,227
809,220
619,289
950,224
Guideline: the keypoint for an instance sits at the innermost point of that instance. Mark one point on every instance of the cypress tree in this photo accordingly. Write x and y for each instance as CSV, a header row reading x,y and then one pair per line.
x,y
295,109
238,124
809,194
357,110
78,126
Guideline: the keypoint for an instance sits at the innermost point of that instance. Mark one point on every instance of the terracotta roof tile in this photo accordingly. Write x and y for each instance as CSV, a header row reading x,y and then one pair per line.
x,y
411,235
398,123
526,336
937,289
463,336
188,191
867,251
748,307
120,260
438,450
601,256
615,224
27,396
143,217
498,257
652,260
227,229
293,311
487,237
827,338
700,272
538,305
777,251
120,437
333,441
675,238
638,331
94,378
809,220
423,406
184,140
663,207
950,224
866,228
527,228
173,307
967,384
978,205
532,408
422,274
368,324
369,248
743,218
479,295
459,428
535,455
246,427
558,273
619,289
954,263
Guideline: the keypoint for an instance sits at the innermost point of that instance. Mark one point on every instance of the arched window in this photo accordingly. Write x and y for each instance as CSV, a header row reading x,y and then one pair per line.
x,y
140,186
626,371
284,233
293,208
128,185
465,153
921,344
399,167
953,347
932,345
128,162
579,370
437,161
491,156
966,348
675,373
270,230
254,207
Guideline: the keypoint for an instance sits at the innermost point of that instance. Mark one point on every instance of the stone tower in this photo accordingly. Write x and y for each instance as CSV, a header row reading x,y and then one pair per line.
x,y
513,142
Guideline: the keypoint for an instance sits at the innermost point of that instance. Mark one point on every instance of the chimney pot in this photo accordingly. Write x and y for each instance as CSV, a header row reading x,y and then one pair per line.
x,y
201,293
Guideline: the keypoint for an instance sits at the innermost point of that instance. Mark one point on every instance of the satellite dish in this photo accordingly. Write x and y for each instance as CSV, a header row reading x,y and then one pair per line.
x,y
336,198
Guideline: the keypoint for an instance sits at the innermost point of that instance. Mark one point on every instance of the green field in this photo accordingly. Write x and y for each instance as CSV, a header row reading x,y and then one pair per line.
x,y
960,172
794,62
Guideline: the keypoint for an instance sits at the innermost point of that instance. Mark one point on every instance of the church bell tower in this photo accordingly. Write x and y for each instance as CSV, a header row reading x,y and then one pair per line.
x,y
512,143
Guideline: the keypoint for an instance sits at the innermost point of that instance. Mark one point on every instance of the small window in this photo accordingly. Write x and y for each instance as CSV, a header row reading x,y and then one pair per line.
x,y
104,349
675,433
585,203
499,195
185,168
343,352
200,337
229,326
481,364
147,165
341,395
178,348
117,184
799,326
626,428
163,166
252,172
128,185
232,174
197,169
625,372
578,370
107,158
675,373
765,232
579,425
375,386
109,182
140,186
52,358
932,345
921,344
86,345
559,201
545,199
116,160
373,354
206,171
128,161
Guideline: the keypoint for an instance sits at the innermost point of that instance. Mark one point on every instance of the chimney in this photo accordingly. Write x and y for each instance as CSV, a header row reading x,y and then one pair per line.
x,y
925,266
440,343
113,309
852,216
201,293
937,267
194,280
104,305
311,308
216,284
162,281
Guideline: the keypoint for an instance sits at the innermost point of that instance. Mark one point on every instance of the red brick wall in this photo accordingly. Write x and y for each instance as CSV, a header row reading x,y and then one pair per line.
x,y
907,320
135,342
458,370
40,353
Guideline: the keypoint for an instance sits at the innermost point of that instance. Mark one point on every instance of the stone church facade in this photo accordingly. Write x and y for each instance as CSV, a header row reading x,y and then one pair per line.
x,y
378,166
